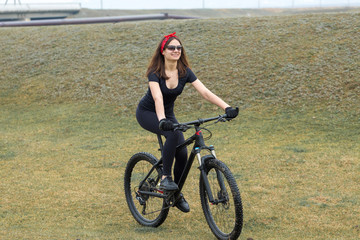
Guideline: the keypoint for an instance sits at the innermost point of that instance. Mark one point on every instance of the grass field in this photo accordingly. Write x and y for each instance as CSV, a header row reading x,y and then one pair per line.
x,y
67,126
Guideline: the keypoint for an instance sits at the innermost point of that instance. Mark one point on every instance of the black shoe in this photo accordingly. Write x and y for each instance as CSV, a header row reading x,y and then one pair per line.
x,y
168,184
182,204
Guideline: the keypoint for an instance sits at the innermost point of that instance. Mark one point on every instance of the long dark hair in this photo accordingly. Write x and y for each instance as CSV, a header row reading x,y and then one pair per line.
x,y
157,63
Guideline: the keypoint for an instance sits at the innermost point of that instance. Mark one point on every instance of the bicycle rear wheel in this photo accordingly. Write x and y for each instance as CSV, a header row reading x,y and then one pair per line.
x,y
225,215
147,210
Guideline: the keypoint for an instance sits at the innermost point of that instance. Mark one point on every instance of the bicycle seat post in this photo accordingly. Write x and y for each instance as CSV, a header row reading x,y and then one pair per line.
x,y
160,143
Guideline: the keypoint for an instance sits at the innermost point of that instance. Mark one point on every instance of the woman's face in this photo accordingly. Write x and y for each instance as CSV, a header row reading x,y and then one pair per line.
x,y
170,53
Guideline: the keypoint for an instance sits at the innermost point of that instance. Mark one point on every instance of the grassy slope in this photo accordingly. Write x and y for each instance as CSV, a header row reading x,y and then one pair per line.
x,y
275,60
68,94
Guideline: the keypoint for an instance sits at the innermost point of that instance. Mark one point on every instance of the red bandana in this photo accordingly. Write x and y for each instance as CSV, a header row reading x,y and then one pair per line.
x,y
166,39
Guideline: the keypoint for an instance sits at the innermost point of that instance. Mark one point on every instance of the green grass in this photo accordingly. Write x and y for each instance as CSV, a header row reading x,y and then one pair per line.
x,y
67,127
291,60
62,169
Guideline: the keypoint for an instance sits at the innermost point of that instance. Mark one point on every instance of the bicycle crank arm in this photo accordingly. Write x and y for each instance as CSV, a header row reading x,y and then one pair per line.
x,y
216,201
159,195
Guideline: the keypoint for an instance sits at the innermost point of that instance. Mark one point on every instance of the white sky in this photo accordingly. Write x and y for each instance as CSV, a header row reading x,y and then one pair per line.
x,y
184,4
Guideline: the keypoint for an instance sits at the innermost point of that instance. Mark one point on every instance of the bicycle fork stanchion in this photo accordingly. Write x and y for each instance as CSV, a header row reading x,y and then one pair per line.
x,y
204,176
198,156
218,175
212,150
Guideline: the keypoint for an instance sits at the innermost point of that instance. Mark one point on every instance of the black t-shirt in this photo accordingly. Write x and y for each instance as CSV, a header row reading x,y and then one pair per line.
x,y
169,95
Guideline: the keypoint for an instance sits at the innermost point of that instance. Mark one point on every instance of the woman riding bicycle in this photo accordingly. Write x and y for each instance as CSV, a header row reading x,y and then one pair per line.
x,y
168,72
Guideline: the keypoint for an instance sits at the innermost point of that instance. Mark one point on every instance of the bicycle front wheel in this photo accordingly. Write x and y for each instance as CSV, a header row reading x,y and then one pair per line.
x,y
148,210
224,215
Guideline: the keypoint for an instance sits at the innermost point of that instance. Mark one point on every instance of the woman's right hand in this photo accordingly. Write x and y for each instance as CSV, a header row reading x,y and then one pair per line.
x,y
166,125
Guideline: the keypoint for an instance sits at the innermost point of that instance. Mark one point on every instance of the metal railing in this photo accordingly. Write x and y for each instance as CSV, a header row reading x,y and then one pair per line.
x,y
73,21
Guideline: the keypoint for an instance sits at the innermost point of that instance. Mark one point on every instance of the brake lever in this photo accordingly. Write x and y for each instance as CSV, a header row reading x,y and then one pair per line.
x,y
222,118
182,128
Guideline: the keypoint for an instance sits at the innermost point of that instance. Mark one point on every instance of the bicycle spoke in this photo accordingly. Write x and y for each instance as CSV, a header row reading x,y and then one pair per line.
x,y
222,212
152,204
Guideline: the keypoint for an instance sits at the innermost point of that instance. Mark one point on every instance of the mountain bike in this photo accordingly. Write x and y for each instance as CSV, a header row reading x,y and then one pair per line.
x,y
219,193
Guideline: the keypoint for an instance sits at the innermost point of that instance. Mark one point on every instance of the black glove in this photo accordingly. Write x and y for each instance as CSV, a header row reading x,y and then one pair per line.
x,y
231,112
166,125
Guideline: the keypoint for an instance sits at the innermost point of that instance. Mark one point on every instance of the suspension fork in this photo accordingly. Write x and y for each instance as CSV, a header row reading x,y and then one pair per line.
x,y
200,144
205,179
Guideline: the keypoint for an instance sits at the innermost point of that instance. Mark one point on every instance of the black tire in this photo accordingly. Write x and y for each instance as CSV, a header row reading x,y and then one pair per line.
x,y
225,218
147,210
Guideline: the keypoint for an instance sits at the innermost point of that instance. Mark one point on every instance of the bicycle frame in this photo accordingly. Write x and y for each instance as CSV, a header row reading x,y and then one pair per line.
x,y
199,145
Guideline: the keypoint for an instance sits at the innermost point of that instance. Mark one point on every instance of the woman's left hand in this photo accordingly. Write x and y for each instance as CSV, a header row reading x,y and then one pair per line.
x,y
231,112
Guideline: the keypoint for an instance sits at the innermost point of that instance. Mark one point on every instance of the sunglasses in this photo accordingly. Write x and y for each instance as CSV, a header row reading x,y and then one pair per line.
x,y
172,47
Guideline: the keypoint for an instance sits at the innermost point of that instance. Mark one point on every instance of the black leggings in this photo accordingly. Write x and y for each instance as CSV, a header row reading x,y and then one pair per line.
x,y
149,121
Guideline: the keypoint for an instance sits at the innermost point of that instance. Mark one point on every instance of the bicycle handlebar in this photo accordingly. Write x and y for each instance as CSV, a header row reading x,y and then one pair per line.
x,y
185,126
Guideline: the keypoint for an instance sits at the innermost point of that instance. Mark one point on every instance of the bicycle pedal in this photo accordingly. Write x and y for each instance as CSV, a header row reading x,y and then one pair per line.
x,y
170,201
